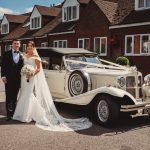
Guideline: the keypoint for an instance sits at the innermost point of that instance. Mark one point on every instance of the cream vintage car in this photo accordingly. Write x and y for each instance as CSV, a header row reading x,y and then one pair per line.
x,y
77,76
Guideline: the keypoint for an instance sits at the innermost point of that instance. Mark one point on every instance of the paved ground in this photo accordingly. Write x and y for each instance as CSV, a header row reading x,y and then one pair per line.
x,y
130,134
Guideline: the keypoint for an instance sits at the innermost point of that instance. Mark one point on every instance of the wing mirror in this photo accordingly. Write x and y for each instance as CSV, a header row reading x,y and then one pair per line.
x,y
147,80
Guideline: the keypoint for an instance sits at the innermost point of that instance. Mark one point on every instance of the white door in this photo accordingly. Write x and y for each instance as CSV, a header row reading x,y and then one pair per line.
x,y
56,80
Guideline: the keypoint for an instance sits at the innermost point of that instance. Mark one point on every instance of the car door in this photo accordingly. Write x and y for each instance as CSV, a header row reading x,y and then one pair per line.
x,y
56,81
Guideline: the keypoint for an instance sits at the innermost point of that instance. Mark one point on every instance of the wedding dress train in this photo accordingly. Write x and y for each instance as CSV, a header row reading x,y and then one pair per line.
x,y
35,103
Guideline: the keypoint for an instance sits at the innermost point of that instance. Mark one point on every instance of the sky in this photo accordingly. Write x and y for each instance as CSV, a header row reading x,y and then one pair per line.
x,y
22,6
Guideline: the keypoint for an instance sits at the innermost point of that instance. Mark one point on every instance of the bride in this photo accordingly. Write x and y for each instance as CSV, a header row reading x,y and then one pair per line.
x,y
35,102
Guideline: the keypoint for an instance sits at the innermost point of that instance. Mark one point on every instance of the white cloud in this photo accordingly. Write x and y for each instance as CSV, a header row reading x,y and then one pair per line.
x,y
9,11
6,11
28,10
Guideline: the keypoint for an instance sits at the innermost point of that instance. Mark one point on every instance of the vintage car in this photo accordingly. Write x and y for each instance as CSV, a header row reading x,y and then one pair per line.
x,y
80,77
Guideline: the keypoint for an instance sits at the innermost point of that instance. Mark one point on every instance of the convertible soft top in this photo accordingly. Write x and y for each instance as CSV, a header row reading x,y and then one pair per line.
x,y
64,51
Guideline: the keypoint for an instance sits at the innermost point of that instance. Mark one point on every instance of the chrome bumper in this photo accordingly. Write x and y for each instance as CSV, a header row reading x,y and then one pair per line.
x,y
130,108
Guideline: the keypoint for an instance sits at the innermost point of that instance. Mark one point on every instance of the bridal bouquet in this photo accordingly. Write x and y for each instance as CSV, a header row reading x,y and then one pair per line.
x,y
28,70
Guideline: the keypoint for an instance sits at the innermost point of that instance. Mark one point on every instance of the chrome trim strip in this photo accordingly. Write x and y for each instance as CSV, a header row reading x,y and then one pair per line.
x,y
129,108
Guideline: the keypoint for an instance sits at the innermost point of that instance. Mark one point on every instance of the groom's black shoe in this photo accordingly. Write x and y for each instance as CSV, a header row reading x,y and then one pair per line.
x,y
8,118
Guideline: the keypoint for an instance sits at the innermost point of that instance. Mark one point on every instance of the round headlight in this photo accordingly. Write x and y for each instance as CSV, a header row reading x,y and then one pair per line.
x,y
121,81
147,79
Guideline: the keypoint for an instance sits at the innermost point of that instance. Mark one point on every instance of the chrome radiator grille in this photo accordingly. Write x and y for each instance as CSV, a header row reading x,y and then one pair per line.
x,y
130,85
130,82
135,89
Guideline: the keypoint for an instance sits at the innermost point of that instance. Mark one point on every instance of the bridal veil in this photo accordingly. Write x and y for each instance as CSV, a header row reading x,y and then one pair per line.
x,y
55,121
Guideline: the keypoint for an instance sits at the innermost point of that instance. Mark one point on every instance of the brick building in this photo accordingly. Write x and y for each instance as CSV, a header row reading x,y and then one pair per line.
x,y
111,28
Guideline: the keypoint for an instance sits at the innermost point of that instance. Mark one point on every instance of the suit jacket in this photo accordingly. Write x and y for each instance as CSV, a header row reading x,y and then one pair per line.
x,y
9,68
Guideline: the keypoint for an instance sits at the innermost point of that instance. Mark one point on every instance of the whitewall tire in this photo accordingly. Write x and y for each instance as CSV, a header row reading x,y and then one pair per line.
x,y
79,82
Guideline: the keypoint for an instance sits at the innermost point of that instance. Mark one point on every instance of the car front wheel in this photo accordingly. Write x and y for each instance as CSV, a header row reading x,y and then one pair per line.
x,y
106,111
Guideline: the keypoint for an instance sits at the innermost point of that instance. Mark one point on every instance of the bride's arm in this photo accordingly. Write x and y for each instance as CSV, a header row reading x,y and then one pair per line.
x,y
38,64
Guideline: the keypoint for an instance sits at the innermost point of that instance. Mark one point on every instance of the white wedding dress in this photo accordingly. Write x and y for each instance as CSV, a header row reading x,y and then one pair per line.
x,y
35,103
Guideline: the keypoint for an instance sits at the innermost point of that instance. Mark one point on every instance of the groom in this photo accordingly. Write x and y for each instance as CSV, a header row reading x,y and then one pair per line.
x,y
12,63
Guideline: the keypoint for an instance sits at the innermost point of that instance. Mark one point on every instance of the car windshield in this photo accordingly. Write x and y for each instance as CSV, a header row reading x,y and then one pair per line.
x,y
74,65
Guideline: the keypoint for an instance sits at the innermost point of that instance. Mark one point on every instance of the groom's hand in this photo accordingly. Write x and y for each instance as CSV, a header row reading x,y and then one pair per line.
x,y
4,80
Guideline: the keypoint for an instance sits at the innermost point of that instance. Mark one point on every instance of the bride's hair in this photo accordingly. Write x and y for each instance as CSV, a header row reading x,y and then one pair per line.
x,y
34,48
32,43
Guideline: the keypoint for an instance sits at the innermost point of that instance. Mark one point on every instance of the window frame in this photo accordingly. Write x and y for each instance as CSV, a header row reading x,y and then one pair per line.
x,y
34,21
66,14
24,47
57,43
2,28
45,44
140,8
10,47
100,50
83,45
132,53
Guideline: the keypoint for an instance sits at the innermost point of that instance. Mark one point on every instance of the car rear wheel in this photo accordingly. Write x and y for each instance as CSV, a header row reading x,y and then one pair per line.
x,y
106,111
79,82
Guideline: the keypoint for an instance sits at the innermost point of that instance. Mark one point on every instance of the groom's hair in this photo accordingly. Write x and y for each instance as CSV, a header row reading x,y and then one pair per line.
x,y
16,40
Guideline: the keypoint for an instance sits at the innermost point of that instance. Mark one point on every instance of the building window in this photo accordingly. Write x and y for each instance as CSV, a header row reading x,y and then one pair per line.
x,y
60,44
45,44
129,44
100,45
24,47
137,44
5,28
145,44
142,4
36,23
70,13
8,47
0,51
84,43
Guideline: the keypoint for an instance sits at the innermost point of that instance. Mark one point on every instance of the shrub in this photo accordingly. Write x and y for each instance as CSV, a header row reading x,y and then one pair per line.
x,y
123,61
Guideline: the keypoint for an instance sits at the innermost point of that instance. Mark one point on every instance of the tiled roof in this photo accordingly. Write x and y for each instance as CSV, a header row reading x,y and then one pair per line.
x,y
115,10
28,33
108,7
137,17
17,32
27,14
84,1
81,1
24,31
16,18
64,27
57,26
48,11
49,27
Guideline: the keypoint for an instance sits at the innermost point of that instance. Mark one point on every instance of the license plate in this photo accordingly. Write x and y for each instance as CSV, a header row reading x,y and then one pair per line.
x,y
146,110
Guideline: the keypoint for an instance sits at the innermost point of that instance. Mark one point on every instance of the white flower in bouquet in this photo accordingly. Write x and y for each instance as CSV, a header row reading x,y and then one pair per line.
x,y
28,70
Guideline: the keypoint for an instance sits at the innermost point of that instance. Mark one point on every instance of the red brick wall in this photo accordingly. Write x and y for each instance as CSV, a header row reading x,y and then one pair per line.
x,y
38,41
90,25
71,38
142,62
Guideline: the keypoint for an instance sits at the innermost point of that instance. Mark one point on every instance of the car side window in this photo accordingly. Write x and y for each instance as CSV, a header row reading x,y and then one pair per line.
x,y
45,62
55,63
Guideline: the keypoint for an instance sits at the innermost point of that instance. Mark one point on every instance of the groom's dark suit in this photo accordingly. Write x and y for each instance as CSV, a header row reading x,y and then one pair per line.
x,y
11,71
